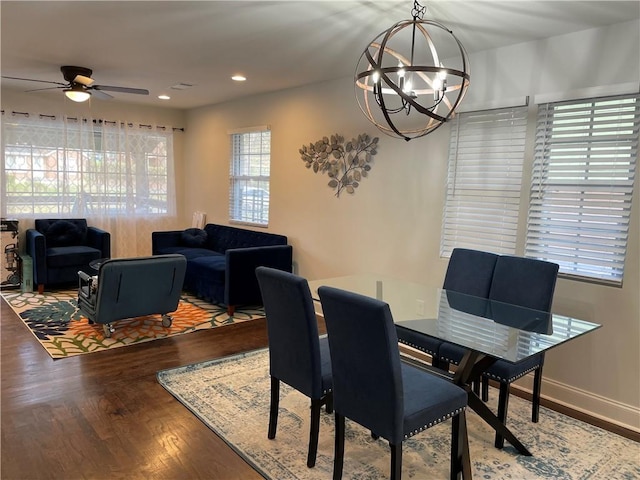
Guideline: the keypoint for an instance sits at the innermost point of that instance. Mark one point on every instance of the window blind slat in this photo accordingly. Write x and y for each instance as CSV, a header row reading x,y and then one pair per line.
x,y
484,181
582,185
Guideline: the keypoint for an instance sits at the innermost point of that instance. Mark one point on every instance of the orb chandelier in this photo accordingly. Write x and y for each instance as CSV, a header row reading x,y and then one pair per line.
x,y
410,95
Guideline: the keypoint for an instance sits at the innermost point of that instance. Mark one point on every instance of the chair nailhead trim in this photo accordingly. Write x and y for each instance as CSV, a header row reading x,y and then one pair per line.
x,y
500,379
435,422
417,347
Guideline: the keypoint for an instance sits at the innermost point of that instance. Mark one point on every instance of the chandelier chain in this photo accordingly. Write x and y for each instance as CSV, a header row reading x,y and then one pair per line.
x,y
418,10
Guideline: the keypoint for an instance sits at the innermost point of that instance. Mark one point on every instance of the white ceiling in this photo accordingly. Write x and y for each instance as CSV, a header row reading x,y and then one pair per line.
x,y
277,45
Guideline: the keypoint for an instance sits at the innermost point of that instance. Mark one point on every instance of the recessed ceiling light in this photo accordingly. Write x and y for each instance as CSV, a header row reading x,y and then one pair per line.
x,y
239,78
164,97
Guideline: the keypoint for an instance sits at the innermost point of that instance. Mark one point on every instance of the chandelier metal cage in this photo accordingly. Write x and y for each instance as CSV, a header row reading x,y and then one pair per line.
x,y
410,95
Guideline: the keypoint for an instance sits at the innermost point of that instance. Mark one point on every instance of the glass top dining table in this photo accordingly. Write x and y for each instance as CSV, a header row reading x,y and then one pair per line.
x,y
496,329
488,330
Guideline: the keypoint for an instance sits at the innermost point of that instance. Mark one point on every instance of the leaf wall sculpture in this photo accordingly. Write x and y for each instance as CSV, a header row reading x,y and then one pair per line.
x,y
345,164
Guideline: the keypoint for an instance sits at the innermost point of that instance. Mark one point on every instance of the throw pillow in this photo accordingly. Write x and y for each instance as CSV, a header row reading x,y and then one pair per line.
x,y
63,233
194,237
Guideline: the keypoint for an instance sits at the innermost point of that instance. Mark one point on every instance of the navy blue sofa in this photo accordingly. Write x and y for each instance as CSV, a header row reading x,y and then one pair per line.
x,y
222,261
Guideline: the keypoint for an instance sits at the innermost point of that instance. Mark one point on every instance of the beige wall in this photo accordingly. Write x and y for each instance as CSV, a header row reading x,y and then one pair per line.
x,y
391,225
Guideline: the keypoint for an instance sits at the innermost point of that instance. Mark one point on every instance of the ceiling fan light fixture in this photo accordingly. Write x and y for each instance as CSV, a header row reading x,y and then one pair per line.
x,y
77,93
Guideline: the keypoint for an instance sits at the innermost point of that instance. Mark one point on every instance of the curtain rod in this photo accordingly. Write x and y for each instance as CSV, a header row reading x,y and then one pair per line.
x,y
97,121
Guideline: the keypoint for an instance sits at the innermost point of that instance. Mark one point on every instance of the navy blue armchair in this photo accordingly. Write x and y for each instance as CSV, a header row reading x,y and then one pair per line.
x,y
132,287
297,356
59,248
372,387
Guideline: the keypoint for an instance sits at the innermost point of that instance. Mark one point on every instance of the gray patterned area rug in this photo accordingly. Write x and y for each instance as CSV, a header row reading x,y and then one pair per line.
x,y
231,396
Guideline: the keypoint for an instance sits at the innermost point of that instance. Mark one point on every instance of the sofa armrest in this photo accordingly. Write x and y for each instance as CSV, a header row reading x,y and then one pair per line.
x,y
99,239
37,249
160,240
241,284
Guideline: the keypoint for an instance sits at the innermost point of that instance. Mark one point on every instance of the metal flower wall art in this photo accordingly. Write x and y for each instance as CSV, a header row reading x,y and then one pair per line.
x,y
345,164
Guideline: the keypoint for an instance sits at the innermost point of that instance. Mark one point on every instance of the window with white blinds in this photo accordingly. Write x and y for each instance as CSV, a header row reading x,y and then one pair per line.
x,y
484,181
582,186
249,176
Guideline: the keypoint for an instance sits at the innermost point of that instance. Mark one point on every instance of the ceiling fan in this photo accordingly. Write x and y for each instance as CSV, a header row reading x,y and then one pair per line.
x,y
80,86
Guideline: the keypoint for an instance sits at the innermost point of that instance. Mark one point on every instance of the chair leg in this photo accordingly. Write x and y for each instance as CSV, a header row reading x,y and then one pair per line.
x,y
338,454
273,409
485,388
316,405
460,460
535,401
503,404
231,309
476,386
435,361
40,288
329,402
396,461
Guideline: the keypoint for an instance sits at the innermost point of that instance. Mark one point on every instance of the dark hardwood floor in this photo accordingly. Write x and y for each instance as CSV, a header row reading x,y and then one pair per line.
x,y
104,415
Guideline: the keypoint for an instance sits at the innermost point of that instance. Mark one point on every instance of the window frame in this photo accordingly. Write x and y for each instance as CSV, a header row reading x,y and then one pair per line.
x,y
250,176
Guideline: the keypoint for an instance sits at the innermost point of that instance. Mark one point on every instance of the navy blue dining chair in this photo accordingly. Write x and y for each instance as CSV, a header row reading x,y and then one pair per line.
x,y
297,355
530,283
469,272
372,387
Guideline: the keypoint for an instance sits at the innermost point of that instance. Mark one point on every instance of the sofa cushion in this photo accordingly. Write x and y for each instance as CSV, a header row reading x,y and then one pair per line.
x,y
193,237
58,257
63,233
211,267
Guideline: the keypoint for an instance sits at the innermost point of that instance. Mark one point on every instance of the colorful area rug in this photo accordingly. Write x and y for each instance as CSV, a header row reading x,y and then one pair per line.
x,y
231,396
60,327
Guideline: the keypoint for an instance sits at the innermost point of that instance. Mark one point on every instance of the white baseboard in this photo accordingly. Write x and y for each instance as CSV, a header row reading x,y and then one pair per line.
x,y
589,403
611,411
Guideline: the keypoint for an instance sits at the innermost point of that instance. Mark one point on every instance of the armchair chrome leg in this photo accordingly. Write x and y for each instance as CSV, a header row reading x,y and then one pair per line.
x,y
108,329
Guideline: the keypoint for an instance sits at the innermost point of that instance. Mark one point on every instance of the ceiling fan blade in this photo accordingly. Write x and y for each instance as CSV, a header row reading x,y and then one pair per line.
x,y
34,80
101,95
41,89
86,81
137,91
